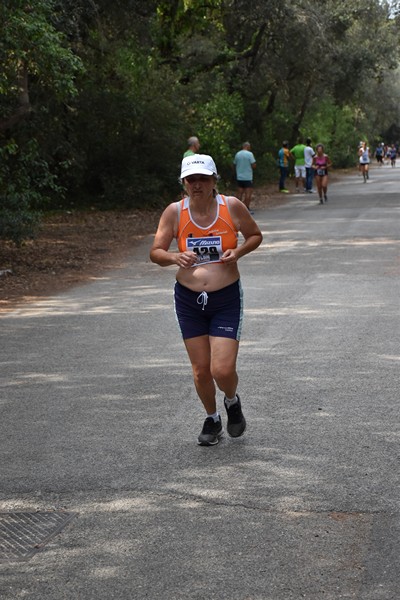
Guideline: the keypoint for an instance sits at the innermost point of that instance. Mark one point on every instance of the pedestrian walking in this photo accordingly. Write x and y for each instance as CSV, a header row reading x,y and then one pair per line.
x,y
387,153
284,156
308,163
393,155
208,293
299,166
379,154
321,164
245,163
193,146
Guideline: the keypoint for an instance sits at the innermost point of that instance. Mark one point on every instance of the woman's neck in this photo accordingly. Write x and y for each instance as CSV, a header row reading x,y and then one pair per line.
x,y
202,206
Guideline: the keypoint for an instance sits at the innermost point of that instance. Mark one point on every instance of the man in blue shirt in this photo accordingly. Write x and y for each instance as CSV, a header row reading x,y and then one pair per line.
x,y
245,163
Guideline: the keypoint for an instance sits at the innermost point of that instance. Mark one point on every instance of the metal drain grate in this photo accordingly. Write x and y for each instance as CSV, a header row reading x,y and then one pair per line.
x,y
24,534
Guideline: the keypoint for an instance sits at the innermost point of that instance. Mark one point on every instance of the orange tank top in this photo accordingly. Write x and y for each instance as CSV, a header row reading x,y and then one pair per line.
x,y
209,243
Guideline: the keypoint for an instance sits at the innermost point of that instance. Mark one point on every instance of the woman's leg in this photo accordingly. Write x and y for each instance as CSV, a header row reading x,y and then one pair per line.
x,y
325,186
199,351
319,186
223,367
224,353
213,361
364,173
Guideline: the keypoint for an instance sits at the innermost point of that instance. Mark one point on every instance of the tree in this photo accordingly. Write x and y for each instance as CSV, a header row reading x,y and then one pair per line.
x,y
98,98
37,70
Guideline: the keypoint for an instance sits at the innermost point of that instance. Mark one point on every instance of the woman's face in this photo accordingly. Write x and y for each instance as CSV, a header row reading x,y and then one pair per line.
x,y
199,185
320,150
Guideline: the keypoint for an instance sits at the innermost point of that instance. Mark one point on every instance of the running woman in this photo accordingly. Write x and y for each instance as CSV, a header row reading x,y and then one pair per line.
x,y
321,164
364,159
208,292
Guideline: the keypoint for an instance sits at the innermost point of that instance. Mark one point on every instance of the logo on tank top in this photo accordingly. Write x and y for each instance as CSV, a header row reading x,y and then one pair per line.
x,y
208,249
217,232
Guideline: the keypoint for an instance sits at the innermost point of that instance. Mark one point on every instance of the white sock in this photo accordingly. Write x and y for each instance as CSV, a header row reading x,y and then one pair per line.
x,y
230,401
214,416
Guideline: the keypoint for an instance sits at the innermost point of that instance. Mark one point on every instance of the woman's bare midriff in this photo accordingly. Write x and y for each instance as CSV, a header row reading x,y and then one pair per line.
x,y
208,278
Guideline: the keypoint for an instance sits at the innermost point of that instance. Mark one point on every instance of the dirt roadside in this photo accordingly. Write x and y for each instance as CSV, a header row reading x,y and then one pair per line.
x,y
72,248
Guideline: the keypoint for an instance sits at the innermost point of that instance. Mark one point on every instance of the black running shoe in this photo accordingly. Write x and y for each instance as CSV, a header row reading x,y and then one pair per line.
x,y
236,421
211,432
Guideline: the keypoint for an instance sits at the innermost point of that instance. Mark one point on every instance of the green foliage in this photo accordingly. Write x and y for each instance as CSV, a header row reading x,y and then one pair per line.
x,y
219,123
129,128
36,77
29,39
333,126
26,183
98,98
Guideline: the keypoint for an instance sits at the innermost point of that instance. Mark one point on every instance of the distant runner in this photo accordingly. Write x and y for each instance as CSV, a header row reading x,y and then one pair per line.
x,y
363,153
321,164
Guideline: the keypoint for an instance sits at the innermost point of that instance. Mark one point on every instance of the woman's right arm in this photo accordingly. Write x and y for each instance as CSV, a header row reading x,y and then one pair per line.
x,y
166,232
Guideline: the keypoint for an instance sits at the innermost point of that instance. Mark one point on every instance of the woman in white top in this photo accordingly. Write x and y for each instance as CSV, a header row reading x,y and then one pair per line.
x,y
364,158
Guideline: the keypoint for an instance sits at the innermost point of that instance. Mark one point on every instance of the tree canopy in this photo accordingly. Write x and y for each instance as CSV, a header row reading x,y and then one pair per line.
x,y
97,98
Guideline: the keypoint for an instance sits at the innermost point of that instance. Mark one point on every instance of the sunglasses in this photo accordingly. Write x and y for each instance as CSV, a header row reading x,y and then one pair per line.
x,y
195,178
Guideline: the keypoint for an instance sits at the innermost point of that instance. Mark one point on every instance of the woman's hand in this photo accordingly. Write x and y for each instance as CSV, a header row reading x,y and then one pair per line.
x,y
187,259
229,256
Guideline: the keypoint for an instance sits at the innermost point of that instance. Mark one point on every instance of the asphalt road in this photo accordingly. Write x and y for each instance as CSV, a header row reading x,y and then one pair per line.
x,y
98,415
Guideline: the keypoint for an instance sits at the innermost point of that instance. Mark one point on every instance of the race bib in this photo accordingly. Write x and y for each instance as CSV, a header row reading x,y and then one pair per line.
x,y
208,249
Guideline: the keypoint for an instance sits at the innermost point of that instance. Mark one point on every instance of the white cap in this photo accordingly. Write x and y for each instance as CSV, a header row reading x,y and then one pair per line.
x,y
198,164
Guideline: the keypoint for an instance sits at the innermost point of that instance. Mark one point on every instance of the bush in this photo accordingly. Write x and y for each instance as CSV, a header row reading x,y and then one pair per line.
x,y
18,226
26,184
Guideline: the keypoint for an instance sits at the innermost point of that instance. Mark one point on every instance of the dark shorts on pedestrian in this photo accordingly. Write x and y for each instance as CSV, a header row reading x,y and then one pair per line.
x,y
244,183
218,313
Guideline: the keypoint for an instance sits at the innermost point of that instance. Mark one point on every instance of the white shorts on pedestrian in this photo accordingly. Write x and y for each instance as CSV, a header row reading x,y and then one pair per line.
x,y
300,171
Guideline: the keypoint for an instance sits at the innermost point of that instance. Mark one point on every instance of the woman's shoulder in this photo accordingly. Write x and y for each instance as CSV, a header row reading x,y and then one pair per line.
x,y
234,204
235,207
172,210
230,199
176,205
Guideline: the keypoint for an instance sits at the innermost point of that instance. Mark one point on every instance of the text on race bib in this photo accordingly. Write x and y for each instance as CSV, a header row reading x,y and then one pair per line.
x,y
207,249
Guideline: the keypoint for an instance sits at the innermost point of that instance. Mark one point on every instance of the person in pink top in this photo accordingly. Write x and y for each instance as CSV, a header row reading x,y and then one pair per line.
x,y
321,165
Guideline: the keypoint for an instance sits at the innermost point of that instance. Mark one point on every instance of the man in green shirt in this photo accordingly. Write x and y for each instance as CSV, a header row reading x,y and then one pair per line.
x,y
193,146
299,165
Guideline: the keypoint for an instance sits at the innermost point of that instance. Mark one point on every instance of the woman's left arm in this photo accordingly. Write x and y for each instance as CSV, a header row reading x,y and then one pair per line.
x,y
248,228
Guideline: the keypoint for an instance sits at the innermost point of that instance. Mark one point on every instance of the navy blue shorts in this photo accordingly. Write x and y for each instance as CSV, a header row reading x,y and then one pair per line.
x,y
219,313
244,183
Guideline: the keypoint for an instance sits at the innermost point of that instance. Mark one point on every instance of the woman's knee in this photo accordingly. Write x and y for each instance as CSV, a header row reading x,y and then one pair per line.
x,y
201,372
223,371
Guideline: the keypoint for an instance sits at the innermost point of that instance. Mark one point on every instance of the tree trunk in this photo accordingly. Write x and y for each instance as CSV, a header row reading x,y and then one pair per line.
x,y
300,116
24,106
